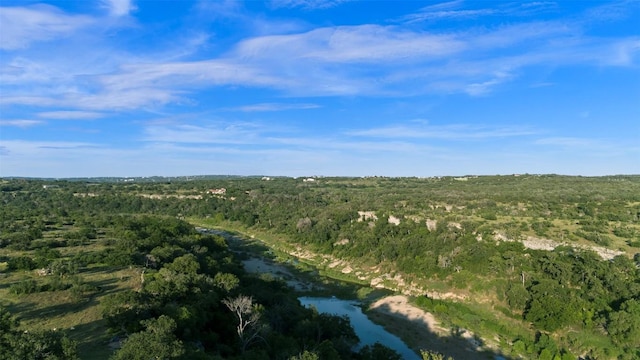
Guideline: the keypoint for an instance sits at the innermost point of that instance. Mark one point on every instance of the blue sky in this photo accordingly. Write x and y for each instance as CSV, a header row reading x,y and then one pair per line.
x,y
310,87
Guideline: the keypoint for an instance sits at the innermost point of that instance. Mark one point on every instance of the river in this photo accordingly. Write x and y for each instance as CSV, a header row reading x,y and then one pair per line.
x,y
368,332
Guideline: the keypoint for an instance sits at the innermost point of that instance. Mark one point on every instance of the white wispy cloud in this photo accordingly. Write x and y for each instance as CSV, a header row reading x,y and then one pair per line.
x,y
22,26
20,70
477,89
119,7
447,14
357,60
61,158
262,136
70,115
625,52
351,44
22,123
368,60
19,148
266,155
570,142
354,145
219,133
263,107
610,11
421,130
456,10
307,4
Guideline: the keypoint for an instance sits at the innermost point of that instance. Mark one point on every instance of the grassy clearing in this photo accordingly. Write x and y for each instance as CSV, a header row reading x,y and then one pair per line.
x,y
77,314
79,317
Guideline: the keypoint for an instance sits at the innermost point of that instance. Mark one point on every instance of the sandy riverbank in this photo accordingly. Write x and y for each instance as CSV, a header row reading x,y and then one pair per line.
x,y
420,329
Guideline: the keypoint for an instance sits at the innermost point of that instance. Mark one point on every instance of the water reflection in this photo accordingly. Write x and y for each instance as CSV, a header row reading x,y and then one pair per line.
x,y
368,332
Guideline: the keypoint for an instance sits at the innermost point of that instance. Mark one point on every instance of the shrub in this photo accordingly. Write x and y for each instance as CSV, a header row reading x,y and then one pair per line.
x,y
21,263
24,287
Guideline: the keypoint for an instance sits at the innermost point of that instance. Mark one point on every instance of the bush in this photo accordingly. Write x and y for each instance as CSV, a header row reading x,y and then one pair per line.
x,y
625,232
596,237
517,296
634,243
21,263
24,287
489,216
56,283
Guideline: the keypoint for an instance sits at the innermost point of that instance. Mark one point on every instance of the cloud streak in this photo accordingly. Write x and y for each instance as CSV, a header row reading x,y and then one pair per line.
x,y
119,7
21,26
362,60
307,4
21,123
267,107
446,132
71,115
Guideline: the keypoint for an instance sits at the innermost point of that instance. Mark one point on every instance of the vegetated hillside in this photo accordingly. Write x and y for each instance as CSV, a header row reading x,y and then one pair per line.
x,y
507,257
92,283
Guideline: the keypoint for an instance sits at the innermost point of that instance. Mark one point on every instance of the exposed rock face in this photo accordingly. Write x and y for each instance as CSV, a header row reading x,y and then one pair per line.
x,y
341,242
536,243
432,224
367,215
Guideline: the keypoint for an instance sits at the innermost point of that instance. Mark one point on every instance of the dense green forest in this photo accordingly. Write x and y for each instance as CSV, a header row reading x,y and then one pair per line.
x,y
535,266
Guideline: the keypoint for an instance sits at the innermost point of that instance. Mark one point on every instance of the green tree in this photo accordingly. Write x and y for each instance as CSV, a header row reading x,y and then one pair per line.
x,y
552,306
306,355
433,355
378,351
517,296
624,325
21,263
157,341
16,344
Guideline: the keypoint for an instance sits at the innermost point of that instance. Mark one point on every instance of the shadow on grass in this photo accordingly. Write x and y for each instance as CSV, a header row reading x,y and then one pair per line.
x,y
92,337
20,307
71,313
93,340
57,310
99,269
106,286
